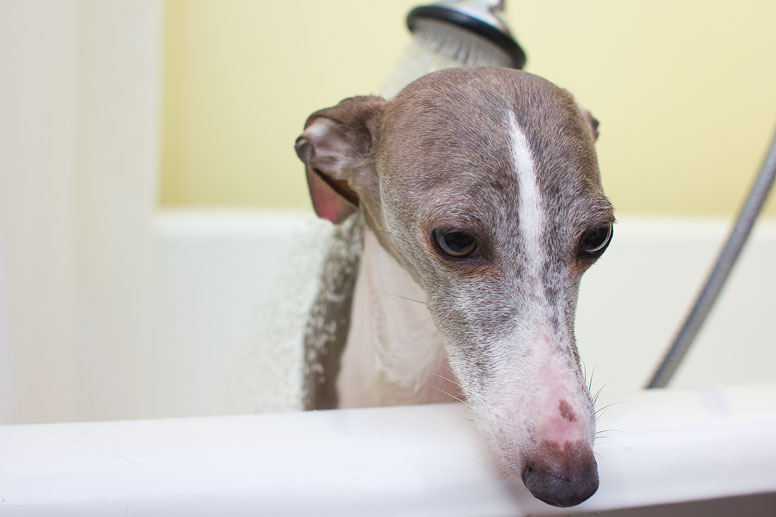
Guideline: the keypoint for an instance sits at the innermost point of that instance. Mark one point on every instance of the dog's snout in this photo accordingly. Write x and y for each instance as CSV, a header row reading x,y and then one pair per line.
x,y
566,482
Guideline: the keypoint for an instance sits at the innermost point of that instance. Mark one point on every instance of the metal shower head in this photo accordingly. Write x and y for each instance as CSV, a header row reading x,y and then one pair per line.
x,y
476,16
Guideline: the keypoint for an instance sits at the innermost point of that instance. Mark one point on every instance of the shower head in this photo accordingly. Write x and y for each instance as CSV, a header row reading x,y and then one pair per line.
x,y
475,16
454,33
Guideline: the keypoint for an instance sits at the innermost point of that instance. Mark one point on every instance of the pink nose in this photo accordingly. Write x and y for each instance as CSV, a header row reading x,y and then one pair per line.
x,y
562,476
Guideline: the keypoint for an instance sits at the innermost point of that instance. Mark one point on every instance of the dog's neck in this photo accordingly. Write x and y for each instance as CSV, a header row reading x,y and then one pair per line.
x,y
394,354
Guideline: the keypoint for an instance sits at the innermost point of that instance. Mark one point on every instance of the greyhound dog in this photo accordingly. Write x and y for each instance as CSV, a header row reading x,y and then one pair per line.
x,y
468,206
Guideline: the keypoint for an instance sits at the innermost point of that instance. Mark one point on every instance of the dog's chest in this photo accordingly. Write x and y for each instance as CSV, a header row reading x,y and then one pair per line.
x,y
394,354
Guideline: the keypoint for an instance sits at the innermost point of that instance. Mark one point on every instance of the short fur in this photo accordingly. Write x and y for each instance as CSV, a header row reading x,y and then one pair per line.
x,y
508,158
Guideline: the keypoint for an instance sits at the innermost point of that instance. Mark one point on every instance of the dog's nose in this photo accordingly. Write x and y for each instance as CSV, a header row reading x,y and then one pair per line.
x,y
563,486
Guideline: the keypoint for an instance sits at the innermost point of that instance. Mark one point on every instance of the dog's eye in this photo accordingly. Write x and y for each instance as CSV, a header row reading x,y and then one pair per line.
x,y
595,241
456,244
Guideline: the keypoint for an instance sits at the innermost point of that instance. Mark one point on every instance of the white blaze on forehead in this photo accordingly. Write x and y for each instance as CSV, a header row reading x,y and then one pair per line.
x,y
529,210
537,397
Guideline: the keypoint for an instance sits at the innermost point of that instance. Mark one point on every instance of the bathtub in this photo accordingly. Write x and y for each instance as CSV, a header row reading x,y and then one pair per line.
x,y
715,447
149,361
209,427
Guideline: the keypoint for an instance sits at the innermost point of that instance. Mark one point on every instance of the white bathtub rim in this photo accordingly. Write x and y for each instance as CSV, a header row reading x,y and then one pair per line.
x,y
427,458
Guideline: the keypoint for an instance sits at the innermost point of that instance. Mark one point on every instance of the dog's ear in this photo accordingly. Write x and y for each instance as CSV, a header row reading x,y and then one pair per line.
x,y
334,148
591,121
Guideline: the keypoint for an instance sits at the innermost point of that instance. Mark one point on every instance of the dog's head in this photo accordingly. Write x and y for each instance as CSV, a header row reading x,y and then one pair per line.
x,y
483,183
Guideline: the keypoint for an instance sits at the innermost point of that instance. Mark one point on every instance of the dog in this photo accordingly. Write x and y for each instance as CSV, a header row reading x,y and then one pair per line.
x,y
468,207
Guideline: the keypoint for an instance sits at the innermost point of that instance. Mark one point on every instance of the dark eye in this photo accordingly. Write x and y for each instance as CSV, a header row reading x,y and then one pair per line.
x,y
595,241
456,244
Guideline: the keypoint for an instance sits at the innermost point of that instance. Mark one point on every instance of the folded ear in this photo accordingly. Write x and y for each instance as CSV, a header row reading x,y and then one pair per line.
x,y
334,147
592,122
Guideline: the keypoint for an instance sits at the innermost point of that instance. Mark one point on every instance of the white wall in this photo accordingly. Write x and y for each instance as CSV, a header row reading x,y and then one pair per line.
x,y
120,89
38,171
78,135
8,396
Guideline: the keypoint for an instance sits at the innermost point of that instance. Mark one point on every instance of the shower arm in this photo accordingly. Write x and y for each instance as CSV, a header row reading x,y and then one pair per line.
x,y
719,274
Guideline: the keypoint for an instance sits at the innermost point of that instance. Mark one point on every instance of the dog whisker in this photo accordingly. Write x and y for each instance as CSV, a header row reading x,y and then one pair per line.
x,y
597,393
590,383
444,392
600,410
609,431
402,297
446,378
451,381
459,399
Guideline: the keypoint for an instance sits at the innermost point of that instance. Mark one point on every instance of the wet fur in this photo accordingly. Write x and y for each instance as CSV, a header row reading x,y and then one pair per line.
x,y
447,151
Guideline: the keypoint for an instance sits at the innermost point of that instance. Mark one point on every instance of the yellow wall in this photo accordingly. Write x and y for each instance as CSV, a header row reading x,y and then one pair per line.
x,y
685,91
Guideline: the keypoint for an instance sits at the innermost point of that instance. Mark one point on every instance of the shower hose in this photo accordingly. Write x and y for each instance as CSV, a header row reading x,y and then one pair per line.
x,y
719,273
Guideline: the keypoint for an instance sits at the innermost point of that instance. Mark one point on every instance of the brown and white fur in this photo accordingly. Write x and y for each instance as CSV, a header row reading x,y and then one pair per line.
x,y
506,159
